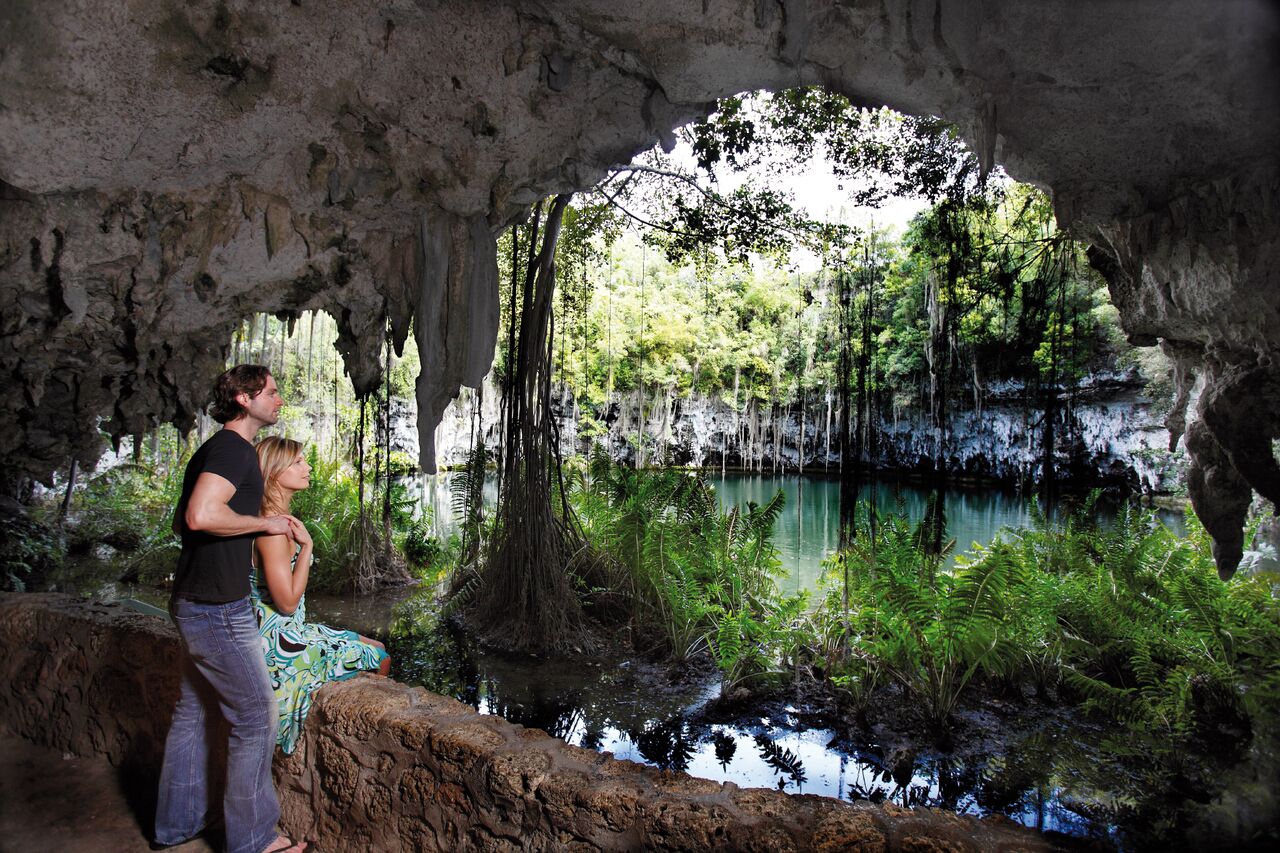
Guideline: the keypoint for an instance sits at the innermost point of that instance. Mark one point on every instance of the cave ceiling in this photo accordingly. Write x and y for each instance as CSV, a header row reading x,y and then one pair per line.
x,y
169,169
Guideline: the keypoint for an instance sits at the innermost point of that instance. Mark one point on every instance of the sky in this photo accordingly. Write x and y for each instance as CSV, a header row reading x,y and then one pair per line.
x,y
817,189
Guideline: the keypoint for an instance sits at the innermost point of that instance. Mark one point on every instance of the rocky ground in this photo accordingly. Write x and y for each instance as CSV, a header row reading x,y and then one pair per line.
x,y
55,801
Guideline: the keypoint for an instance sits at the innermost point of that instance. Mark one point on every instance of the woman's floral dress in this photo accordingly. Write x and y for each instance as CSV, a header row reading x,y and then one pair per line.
x,y
302,657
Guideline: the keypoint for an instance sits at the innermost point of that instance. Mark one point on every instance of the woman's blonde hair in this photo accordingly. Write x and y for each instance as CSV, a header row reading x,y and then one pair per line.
x,y
275,454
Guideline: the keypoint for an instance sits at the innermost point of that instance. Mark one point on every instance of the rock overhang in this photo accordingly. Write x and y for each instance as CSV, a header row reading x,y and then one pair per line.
x,y
172,169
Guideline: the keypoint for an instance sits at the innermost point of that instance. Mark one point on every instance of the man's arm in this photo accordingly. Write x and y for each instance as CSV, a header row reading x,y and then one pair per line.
x,y
207,510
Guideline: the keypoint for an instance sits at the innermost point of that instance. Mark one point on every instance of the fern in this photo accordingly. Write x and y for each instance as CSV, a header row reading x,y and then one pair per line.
x,y
781,759
467,498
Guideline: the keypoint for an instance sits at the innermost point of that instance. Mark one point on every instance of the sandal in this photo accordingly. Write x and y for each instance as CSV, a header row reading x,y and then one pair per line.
x,y
285,844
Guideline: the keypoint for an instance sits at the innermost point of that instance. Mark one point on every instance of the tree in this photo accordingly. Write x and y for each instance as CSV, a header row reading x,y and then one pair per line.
x,y
525,600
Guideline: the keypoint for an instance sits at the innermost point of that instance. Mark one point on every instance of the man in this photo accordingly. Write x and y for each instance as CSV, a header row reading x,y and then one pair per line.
x,y
224,671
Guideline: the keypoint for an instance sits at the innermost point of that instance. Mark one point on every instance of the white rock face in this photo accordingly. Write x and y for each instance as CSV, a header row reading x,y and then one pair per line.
x,y
168,169
1106,433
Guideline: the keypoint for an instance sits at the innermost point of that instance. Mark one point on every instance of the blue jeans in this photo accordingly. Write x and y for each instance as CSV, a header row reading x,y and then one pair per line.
x,y
224,673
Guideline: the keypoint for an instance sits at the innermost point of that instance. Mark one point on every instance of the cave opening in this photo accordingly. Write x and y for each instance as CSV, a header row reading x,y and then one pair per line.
x,y
282,162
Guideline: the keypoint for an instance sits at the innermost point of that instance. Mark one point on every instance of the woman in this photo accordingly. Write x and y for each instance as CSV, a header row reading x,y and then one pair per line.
x,y
300,656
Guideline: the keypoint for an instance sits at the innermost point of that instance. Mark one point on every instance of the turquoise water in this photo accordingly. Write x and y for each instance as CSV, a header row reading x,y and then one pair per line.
x,y
808,529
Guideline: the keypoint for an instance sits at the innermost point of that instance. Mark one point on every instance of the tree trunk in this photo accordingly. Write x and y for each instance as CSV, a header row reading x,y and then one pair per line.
x,y
525,600
386,442
71,486
358,571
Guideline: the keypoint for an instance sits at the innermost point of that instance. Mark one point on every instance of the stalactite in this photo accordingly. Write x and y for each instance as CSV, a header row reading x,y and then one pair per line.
x,y
775,421
737,427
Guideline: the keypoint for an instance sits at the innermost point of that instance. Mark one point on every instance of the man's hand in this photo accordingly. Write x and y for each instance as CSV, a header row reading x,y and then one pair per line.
x,y
279,525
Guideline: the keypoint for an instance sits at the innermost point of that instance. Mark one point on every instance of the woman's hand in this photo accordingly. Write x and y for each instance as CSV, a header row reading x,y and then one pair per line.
x,y
285,561
298,531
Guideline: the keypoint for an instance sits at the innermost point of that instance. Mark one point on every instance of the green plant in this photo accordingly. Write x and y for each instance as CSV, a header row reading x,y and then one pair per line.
x,y
467,497
420,548
1127,619
1156,640
703,577
331,510
28,550
929,630
130,509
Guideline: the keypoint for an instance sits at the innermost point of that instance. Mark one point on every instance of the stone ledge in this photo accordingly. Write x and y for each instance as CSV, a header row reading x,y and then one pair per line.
x,y
382,766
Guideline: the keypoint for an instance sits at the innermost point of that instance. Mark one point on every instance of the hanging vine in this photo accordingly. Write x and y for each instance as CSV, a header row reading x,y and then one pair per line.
x,y
525,600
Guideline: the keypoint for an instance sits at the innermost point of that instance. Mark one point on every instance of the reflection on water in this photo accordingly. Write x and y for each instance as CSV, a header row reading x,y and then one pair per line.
x,y
1053,779
621,707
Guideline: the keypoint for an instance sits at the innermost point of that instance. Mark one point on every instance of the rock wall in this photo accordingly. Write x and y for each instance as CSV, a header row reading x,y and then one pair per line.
x,y
1106,434
386,767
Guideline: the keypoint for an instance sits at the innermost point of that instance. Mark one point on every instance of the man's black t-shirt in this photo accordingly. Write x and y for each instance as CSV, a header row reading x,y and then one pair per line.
x,y
212,568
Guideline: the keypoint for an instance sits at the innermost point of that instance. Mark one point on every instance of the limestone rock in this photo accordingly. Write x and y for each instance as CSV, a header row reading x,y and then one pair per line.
x,y
168,169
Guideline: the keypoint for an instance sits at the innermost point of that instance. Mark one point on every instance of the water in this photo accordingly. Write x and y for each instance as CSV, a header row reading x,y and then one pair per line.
x,y
1045,773
808,530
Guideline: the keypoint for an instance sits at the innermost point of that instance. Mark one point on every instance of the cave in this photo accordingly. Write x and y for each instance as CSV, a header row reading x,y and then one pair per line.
x,y
167,170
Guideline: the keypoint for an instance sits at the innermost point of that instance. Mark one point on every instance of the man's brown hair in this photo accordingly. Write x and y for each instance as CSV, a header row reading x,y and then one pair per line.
x,y
242,379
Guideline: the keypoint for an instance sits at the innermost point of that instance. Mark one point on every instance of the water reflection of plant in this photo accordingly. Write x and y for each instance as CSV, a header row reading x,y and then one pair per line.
x,y
427,652
726,747
782,760
667,744
893,781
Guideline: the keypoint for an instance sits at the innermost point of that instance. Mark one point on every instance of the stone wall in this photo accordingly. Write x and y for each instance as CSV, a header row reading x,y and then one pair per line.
x,y
383,766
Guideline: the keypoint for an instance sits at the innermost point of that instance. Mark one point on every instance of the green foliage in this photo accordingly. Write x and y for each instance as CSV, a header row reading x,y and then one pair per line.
x,y
1129,619
890,154
28,550
704,577
982,287
931,631
420,548
120,507
467,497
331,510
129,508
992,288
1155,639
